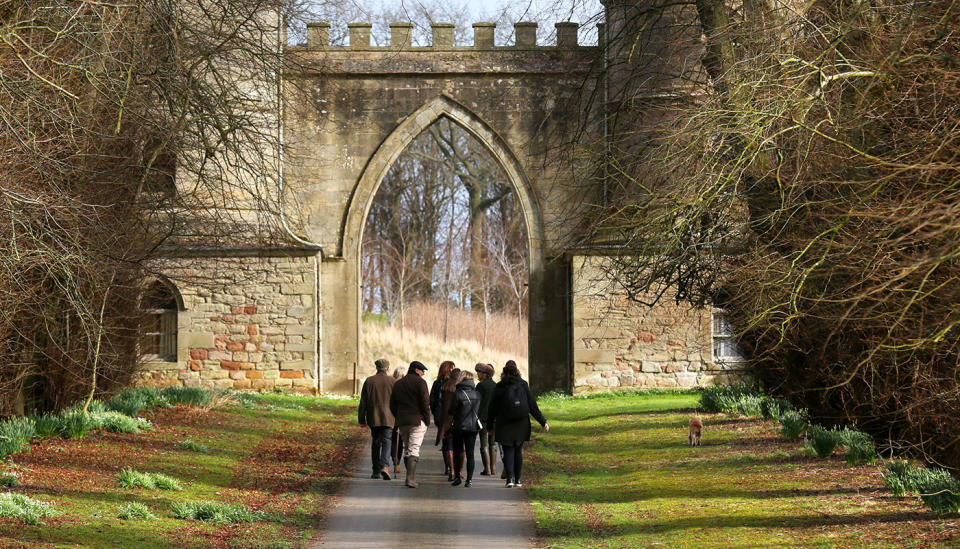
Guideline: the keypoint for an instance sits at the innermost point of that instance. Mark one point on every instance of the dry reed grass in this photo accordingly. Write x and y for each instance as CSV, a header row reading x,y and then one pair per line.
x,y
422,339
503,332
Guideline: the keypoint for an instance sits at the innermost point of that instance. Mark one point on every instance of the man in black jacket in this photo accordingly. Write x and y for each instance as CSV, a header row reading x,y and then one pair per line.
x,y
374,411
410,405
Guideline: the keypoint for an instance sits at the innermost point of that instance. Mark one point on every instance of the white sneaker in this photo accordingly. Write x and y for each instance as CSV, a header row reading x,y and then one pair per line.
x,y
518,484
510,483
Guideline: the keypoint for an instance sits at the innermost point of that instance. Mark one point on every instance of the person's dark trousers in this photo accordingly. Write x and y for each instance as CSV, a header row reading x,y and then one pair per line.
x,y
380,448
396,447
513,461
464,442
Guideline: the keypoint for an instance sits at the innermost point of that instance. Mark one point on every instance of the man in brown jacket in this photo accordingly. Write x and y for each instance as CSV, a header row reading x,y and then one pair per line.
x,y
374,411
410,405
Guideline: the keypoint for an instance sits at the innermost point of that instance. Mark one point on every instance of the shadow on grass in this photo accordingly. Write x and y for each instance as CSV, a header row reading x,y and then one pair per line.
x,y
613,494
666,525
102,497
672,440
142,534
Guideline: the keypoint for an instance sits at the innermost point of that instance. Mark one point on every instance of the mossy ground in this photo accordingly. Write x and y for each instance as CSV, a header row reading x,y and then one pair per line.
x,y
282,455
616,471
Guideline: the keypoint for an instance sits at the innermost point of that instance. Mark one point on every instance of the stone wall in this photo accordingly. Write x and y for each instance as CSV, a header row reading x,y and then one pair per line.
x,y
350,112
620,343
248,322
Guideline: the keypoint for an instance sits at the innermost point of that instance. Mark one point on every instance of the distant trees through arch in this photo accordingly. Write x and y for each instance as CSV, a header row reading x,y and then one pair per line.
x,y
445,235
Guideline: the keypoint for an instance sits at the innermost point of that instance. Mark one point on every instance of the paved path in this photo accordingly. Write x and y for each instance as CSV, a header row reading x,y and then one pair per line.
x,y
380,514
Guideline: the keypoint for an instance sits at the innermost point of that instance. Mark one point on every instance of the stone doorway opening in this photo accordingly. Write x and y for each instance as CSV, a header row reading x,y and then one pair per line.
x,y
444,260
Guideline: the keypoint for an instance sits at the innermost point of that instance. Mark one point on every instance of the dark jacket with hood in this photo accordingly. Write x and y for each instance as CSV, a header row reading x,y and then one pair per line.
x,y
465,407
512,431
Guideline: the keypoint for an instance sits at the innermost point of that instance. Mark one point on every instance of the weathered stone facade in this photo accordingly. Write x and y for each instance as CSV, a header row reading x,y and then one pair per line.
x,y
353,110
247,322
620,343
288,314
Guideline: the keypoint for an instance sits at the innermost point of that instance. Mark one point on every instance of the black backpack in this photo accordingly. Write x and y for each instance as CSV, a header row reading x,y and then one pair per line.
x,y
515,405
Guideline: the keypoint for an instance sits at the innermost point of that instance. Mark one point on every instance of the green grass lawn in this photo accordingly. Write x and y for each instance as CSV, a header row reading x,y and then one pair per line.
x,y
616,471
282,456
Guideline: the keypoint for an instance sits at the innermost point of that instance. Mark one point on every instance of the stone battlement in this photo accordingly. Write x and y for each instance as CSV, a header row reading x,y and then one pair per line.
x,y
318,37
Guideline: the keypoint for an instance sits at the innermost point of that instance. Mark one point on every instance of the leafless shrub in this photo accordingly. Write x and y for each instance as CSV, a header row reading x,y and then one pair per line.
x,y
125,129
812,191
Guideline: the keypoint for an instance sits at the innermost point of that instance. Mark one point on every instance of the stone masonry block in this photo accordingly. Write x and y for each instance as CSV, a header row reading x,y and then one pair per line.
x,y
594,355
296,289
200,340
301,329
300,348
650,367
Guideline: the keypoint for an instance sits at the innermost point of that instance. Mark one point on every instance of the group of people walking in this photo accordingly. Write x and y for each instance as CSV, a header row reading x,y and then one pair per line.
x,y
399,408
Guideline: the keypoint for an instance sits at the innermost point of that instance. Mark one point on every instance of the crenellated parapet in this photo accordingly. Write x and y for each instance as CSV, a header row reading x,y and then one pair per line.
x,y
318,37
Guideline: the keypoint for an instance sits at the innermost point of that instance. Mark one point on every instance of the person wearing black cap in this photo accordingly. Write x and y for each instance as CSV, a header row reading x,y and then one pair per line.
x,y
374,411
410,405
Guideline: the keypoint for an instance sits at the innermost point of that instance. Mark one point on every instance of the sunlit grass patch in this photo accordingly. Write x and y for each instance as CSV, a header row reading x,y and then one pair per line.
x,y
24,508
130,478
134,510
214,511
616,471
191,446
9,479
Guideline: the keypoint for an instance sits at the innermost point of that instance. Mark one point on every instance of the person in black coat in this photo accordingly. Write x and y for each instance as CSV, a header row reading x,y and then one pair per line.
x,y
436,408
486,386
464,409
509,418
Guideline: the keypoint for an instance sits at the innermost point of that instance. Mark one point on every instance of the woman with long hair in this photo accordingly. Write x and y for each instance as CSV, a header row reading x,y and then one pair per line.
x,y
509,418
436,408
396,441
466,424
444,433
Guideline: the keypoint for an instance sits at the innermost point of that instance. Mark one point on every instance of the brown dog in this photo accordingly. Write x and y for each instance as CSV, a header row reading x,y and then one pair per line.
x,y
696,429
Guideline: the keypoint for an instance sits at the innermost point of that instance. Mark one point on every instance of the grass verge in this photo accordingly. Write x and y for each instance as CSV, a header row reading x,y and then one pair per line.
x,y
616,471
279,457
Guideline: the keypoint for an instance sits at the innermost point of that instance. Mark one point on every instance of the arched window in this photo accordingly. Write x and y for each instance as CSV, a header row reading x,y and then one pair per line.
x,y
160,305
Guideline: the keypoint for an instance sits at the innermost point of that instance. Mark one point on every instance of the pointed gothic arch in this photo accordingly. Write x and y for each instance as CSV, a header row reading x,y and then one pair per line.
x,y
393,146
413,125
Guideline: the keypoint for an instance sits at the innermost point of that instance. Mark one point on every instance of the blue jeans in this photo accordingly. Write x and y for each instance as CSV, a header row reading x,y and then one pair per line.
x,y
380,448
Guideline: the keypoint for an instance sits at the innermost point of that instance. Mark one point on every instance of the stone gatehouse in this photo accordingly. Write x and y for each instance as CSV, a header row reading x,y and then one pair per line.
x,y
288,315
